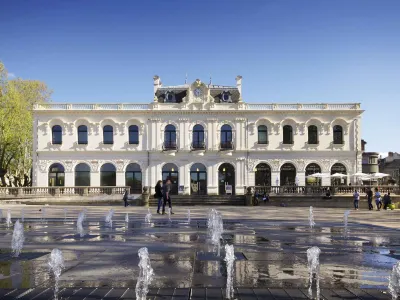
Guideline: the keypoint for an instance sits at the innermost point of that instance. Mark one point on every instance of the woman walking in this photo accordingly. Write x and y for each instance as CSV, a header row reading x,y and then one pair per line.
x,y
159,195
356,196
378,201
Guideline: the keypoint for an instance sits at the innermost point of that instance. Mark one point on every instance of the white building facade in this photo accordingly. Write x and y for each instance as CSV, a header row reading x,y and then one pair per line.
x,y
204,138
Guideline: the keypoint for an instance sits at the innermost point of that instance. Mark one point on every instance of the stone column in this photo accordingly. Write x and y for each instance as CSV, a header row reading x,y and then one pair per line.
x,y
301,175
120,178
69,178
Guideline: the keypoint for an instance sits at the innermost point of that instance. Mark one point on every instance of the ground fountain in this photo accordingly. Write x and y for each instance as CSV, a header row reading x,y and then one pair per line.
x,y
22,215
56,264
109,217
345,223
215,229
311,218
188,216
169,214
394,282
145,274
229,259
126,218
18,239
313,270
79,224
147,218
8,219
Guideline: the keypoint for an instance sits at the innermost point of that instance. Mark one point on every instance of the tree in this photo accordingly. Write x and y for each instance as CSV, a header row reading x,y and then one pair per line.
x,y
17,99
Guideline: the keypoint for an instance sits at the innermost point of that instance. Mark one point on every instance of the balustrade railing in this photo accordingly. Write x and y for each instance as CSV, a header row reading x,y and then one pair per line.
x,y
6,192
322,190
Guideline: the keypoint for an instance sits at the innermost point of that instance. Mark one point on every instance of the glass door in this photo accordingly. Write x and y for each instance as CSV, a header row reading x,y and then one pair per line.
x,y
198,183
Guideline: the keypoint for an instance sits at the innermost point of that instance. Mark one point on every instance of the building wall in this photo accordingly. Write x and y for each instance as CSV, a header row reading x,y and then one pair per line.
x,y
148,153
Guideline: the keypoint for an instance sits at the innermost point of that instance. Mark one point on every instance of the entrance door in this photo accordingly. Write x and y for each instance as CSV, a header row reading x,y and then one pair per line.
x,y
226,177
170,171
198,179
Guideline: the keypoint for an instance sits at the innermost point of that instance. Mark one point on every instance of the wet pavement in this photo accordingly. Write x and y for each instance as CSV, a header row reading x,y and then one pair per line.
x,y
270,247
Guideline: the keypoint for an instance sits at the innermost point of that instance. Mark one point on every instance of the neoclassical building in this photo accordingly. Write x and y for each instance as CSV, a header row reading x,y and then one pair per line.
x,y
203,137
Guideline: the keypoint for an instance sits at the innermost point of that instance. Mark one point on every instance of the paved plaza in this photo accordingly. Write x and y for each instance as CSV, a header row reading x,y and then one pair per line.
x,y
270,248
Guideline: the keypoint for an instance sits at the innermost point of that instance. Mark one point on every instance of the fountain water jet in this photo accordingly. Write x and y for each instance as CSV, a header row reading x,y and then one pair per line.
x,y
169,214
188,216
313,268
230,259
147,218
22,215
108,218
65,215
17,239
215,229
311,218
85,211
56,264
8,219
394,281
43,220
79,224
126,218
146,274
345,222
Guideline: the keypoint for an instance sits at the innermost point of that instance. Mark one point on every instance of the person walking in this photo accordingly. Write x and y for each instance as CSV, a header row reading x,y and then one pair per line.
x,y
369,198
125,198
166,195
378,199
356,196
159,195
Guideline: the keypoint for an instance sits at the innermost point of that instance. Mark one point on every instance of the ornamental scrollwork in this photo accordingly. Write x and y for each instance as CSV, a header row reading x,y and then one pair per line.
x,y
94,166
68,165
43,165
119,164
251,163
274,163
300,164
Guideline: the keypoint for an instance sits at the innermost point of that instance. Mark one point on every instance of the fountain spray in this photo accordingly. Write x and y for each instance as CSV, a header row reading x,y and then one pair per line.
x,y
345,222
188,216
108,218
394,281
311,218
313,268
146,274
230,259
17,239
56,264
79,224
147,218
8,219
215,229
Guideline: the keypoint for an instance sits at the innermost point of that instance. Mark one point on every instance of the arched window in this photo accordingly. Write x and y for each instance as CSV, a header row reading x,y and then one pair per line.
x,y
82,175
288,174
312,169
56,175
198,137
226,137
133,134
336,170
170,137
287,134
262,134
133,178
337,134
263,175
82,135
312,135
170,172
108,175
56,135
108,135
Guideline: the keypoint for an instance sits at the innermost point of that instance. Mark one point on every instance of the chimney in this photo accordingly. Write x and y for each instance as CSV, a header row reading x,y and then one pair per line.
x,y
157,83
239,84
363,143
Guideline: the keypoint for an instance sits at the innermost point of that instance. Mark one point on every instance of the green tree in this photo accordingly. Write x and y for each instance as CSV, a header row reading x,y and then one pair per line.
x,y
17,99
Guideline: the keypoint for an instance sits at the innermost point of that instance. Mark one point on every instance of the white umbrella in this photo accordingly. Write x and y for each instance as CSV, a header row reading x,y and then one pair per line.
x,y
379,175
338,175
318,175
362,175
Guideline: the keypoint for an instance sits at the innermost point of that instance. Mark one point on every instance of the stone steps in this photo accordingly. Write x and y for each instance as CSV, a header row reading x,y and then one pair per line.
x,y
181,200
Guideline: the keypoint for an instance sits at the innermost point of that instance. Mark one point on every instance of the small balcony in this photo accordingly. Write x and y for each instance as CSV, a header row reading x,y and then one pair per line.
x,y
169,145
226,146
198,146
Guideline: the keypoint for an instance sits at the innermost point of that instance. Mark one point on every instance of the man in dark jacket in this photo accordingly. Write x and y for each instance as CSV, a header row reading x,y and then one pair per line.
x,y
386,201
126,198
369,197
166,196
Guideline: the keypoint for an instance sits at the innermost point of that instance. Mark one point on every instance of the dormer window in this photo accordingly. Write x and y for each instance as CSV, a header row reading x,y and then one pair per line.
x,y
226,97
169,97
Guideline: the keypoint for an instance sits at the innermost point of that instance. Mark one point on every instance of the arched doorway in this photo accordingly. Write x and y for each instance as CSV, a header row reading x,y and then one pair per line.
x,y
198,179
82,175
133,178
288,174
226,179
56,175
170,171
108,175
338,168
312,169
263,175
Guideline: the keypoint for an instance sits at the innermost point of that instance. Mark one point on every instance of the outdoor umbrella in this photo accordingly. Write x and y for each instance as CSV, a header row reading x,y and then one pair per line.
x,y
338,175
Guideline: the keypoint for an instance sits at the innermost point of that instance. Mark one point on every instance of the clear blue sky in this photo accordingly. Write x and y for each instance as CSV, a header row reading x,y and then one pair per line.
x,y
286,51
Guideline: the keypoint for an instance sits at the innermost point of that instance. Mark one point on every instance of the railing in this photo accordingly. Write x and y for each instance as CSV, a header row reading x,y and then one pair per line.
x,y
226,146
198,146
168,106
322,190
169,146
6,192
